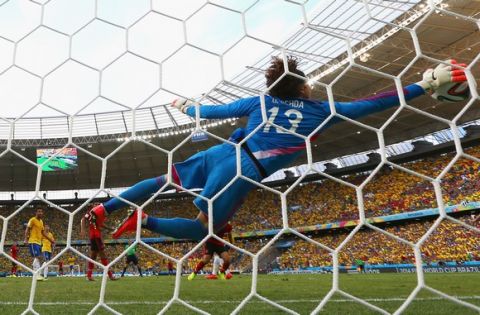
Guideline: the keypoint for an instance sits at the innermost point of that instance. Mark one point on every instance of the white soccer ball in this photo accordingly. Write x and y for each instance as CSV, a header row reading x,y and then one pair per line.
x,y
452,92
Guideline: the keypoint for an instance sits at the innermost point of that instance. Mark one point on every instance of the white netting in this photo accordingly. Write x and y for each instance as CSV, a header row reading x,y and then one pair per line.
x,y
81,78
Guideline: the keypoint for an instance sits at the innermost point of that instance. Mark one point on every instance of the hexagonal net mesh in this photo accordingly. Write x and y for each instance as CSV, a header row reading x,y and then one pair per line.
x,y
332,39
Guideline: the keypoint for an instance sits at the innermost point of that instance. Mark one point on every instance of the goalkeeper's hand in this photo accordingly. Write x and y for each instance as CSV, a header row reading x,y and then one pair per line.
x,y
182,104
442,74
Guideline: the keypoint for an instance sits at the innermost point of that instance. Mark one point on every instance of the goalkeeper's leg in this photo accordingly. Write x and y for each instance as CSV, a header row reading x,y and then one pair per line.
x,y
139,191
194,177
193,173
179,228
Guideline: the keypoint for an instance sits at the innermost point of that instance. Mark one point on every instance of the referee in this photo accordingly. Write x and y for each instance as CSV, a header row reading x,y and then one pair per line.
x,y
132,259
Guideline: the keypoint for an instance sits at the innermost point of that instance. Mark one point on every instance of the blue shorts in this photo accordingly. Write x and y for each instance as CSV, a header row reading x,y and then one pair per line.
x,y
212,170
35,249
47,255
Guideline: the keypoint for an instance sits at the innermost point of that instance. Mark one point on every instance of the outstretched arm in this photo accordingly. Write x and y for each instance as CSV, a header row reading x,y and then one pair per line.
x,y
377,103
432,79
239,108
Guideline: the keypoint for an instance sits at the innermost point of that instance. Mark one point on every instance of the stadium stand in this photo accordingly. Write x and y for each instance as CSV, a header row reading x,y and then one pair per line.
x,y
393,191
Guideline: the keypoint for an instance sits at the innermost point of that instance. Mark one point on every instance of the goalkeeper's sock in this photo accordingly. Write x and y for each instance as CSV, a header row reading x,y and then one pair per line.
x,y
199,267
140,271
140,190
179,228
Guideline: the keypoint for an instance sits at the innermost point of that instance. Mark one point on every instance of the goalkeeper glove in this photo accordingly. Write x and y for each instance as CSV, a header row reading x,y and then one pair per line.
x,y
182,104
433,78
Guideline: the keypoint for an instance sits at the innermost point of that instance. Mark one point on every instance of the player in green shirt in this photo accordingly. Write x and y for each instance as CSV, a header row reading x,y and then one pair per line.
x,y
132,259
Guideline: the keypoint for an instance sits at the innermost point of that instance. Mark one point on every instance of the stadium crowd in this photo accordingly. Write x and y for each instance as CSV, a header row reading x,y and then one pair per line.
x,y
448,242
390,191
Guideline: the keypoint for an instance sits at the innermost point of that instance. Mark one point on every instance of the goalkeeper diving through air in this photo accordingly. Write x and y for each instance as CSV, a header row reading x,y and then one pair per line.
x,y
289,105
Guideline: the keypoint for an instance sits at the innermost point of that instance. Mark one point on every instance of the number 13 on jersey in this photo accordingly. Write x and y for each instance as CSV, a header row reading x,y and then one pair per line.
x,y
293,116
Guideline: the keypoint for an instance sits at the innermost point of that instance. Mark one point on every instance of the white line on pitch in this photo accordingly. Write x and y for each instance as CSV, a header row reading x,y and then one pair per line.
x,y
473,297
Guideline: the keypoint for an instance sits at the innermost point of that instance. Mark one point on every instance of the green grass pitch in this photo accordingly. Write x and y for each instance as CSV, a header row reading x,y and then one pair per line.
x,y
301,293
55,163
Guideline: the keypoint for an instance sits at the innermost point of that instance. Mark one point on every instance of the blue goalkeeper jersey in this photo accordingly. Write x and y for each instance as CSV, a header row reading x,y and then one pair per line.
x,y
276,148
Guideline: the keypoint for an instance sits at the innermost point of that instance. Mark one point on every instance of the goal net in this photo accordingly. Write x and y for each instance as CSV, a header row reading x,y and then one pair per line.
x,y
104,62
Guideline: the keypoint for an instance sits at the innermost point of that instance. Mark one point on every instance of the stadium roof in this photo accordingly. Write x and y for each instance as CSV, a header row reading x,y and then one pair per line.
x,y
440,36
341,18
321,53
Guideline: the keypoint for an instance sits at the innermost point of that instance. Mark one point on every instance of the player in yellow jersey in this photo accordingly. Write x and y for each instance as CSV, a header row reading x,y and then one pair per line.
x,y
34,233
149,267
47,249
71,263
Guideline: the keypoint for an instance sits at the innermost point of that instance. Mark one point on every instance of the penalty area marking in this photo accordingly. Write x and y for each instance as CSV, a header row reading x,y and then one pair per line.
x,y
472,297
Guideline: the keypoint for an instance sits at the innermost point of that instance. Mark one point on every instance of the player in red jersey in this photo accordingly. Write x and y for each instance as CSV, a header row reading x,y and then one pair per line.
x,y
170,268
60,268
212,246
97,248
14,255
